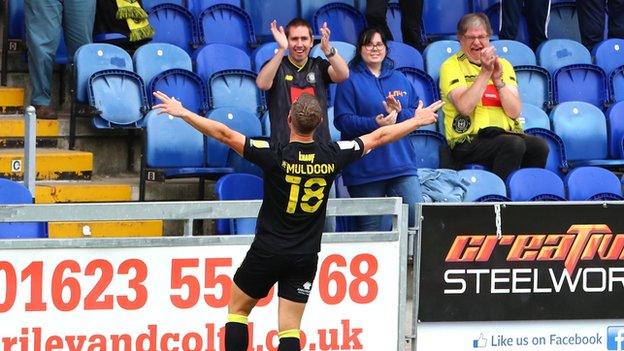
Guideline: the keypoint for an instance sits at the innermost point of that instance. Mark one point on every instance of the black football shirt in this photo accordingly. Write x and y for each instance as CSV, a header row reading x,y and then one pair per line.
x,y
297,179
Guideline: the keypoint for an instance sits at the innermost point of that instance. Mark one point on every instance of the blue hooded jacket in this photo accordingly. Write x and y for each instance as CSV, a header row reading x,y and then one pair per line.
x,y
358,101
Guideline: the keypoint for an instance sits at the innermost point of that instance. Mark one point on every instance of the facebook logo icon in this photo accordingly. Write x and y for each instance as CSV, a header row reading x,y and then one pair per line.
x,y
615,338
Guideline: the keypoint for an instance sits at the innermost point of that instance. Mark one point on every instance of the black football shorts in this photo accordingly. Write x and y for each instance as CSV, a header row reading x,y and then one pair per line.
x,y
260,270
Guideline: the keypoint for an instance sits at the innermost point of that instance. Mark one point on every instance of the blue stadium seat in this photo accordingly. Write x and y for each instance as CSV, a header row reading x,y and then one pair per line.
x,y
263,53
149,4
517,53
173,24
12,193
593,184
236,88
309,7
563,21
581,82
535,184
198,6
404,55
344,21
343,223
534,117
227,24
436,53
265,120
347,51
615,122
238,186
213,58
583,129
333,131
393,19
534,85
494,11
265,11
153,58
440,17
174,149
556,53
186,86
16,19
427,145
482,5
425,88
119,97
609,54
242,121
557,161
483,186
616,84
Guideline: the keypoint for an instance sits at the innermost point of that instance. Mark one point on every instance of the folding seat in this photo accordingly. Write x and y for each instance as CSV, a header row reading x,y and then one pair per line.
x,y
583,129
186,86
615,123
556,53
517,53
226,24
440,17
154,58
213,58
236,88
557,161
16,26
482,5
483,186
265,11
343,223
609,54
197,6
534,117
149,4
616,84
238,186
344,21
581,82
105,81
535,184
494,11
263,53
593,184
404,55
174,24
333,131
425,88
309,7
346,50
563,21
436,53
242,121
428,146
393,19
534,85
13,193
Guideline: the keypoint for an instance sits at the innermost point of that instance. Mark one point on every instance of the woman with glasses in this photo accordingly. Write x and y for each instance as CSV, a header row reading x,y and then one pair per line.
x,y
483,105
376,95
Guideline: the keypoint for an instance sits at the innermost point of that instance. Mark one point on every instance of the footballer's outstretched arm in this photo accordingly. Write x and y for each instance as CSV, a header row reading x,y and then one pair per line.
x,y
214,129
393,132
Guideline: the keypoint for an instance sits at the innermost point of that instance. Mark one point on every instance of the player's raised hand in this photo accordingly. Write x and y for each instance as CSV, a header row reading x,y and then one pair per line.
x,y
279,35
427,115
169,105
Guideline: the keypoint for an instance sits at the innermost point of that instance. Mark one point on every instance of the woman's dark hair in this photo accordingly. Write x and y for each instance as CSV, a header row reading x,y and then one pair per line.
x,y
365,37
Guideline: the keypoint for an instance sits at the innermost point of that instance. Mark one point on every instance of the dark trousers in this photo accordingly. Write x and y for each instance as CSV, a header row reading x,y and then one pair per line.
x,y
411,20
536,14
591,17
503,153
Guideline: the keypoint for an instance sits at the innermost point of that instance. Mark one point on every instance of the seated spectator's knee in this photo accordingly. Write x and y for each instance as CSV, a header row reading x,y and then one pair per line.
x,y
513,145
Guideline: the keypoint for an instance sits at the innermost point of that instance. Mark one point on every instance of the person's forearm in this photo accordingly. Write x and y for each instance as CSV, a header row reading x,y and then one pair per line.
x,y
510,101
466,102
264,81
391,133
339,69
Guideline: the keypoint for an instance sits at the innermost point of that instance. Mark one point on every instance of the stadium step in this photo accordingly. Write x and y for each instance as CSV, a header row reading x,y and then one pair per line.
x,y
51,164
64,192
11,99
12,132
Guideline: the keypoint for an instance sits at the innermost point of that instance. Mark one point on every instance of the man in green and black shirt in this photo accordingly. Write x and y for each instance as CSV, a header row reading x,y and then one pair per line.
x,y
297,178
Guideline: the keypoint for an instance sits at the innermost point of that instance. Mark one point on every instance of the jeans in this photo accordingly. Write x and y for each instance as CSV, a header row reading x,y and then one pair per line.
x,y
407,187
